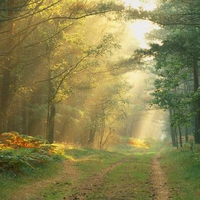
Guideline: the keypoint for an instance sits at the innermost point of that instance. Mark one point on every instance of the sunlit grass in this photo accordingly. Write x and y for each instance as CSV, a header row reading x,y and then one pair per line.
x,y
132,171
128,179
130,146
11,183
182,168
90,161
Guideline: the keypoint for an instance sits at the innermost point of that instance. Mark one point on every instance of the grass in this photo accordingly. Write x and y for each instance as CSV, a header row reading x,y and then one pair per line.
x,y
129,179
182,168
25,160
87,162
11,182
90,161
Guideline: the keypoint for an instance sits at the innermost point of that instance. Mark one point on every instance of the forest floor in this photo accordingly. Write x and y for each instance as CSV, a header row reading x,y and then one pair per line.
x,y
158,180
104,176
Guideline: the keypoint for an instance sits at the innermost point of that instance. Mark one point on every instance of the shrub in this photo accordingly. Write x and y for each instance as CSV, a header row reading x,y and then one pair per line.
x,y
19,153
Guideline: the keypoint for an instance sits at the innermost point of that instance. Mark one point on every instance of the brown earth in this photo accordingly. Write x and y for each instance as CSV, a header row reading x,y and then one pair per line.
x,y
160,189
94,182
68,180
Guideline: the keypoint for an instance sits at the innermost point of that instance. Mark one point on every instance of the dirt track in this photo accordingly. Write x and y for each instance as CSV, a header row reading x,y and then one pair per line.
x,y
160,190
157,184
94,182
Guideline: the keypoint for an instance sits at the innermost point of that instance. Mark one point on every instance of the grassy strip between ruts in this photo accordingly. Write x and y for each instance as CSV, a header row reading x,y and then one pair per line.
x,y
182,168
128,180
87,163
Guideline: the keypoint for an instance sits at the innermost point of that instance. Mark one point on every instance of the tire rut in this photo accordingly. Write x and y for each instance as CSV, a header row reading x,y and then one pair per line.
x,y
89,185
160,189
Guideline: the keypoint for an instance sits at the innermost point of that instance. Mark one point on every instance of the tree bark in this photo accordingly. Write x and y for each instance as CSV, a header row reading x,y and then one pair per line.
x,y
197,102
6,68
51,123
91,137
172,130
186,134
51,108
180,136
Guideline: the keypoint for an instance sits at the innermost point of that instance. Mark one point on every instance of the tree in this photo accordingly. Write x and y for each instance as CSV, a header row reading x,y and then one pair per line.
x,y
31,31
177,60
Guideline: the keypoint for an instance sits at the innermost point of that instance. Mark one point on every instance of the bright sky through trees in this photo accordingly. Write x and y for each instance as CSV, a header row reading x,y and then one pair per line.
x,y
149,5
147,124
140,27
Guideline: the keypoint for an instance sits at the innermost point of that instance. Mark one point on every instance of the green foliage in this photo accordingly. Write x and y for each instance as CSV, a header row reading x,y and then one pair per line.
x,y
183,169
19,153
52,39
175,61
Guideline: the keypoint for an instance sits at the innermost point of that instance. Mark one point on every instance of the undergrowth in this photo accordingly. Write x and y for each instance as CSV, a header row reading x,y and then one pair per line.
x,y
21,153
182,167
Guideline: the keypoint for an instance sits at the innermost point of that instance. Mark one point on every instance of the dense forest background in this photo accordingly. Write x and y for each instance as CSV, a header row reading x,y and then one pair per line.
x,y
59,78
65,77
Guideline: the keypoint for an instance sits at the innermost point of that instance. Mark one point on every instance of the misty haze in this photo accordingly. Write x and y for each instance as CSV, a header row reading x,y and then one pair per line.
x,y
96,95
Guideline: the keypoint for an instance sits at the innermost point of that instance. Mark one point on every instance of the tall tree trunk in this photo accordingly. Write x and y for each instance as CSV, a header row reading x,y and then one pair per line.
x,y
51,108
51,113
6,68
197,102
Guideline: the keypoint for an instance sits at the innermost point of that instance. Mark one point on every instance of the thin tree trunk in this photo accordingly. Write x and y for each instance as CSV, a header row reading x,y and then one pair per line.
x,y
176,136
51,123
186,134
93,127
6,70
172,130
180,136
51,109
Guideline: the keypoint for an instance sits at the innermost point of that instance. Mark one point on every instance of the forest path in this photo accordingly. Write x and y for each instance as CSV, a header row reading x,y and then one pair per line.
x,y
94,182
160,189
68,185
66,181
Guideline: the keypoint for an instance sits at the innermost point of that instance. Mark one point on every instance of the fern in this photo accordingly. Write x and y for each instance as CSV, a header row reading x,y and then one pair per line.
x,y
19,153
